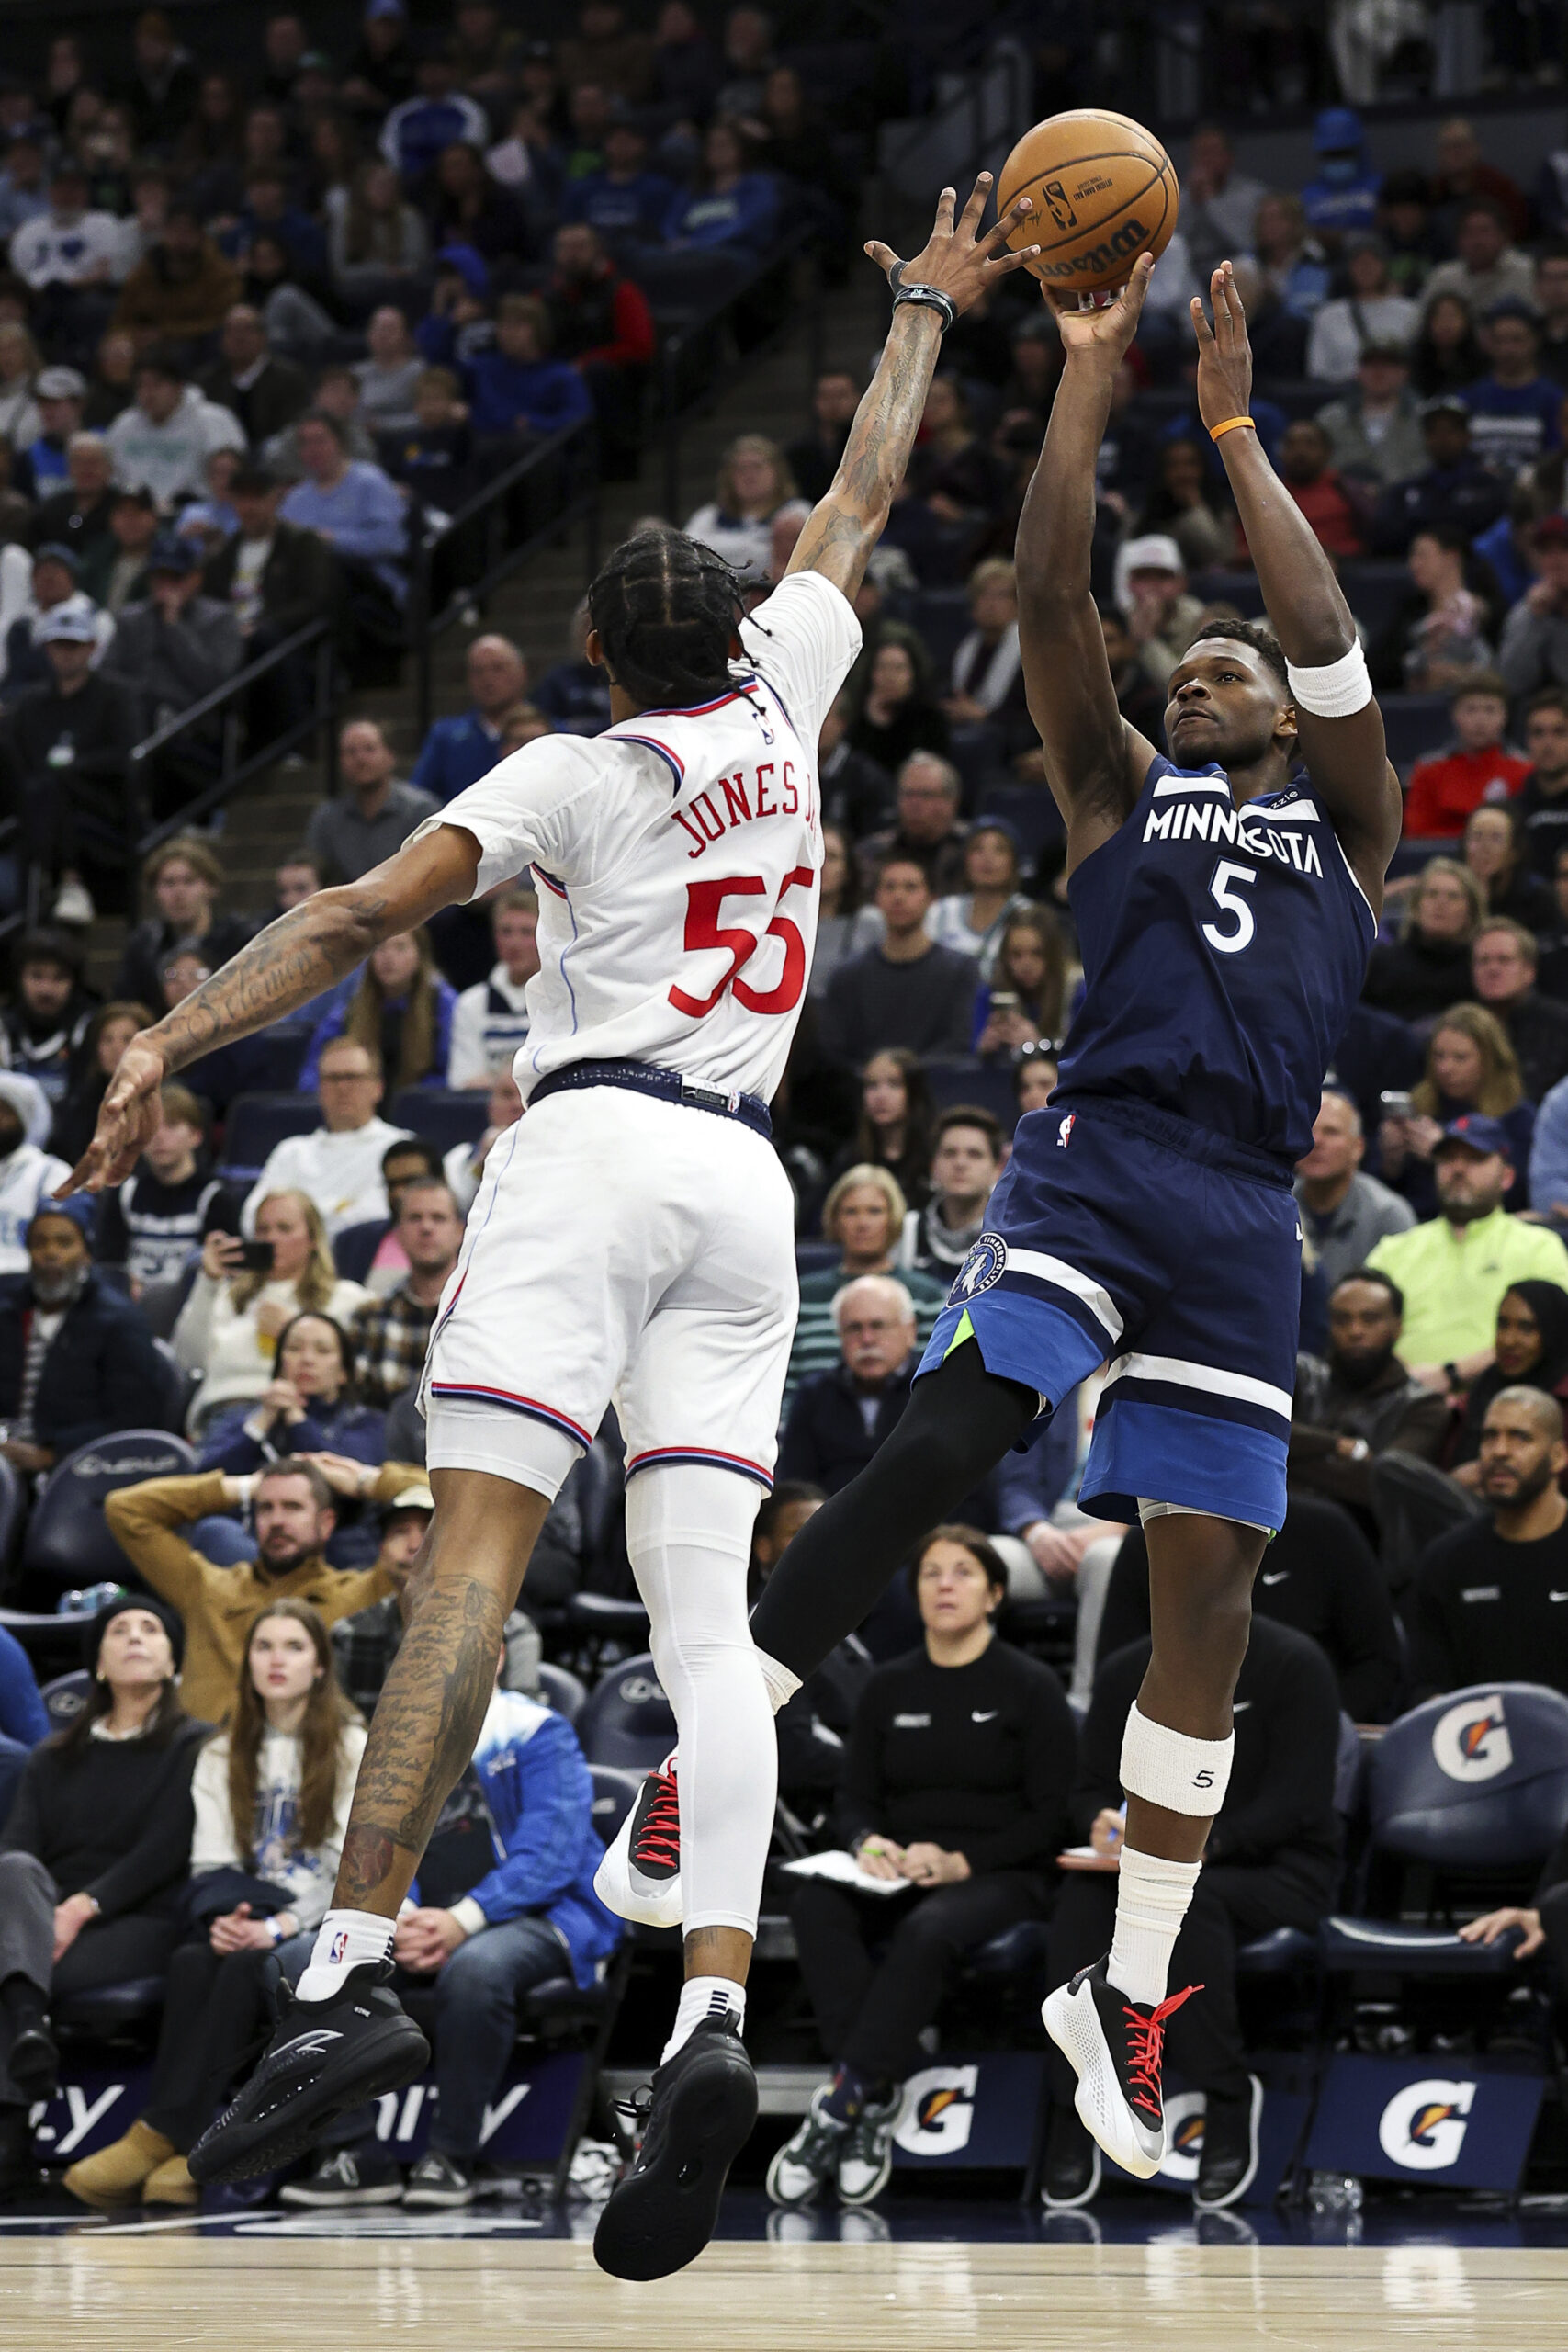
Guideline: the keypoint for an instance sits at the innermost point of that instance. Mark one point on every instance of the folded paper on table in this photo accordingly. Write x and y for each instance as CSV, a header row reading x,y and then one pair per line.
x,y
845,1871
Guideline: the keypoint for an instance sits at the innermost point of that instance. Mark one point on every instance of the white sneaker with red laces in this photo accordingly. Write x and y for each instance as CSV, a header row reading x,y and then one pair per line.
x,y
1114,2047
639,1877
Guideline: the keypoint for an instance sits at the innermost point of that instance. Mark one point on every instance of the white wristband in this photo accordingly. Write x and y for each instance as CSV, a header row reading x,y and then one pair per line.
x,y
1337,691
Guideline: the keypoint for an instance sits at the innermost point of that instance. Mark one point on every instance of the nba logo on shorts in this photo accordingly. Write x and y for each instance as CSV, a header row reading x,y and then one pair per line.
x,y
1064,1132
340,1946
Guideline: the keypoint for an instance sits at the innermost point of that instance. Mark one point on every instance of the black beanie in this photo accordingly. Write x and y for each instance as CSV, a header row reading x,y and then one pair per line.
x,y
96,1628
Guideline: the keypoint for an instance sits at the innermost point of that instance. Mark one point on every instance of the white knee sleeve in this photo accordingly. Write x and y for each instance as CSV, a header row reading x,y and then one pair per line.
x,y
689,1535
1166,1768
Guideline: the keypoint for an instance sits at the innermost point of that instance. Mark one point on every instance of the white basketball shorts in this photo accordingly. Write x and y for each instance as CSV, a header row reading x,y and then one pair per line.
x,y
621,1250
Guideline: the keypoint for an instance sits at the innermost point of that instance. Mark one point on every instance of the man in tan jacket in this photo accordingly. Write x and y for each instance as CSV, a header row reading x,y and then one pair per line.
x,y
294,1516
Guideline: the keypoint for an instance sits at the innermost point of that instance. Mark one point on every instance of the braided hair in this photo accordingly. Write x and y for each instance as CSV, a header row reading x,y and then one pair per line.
x,y
666,610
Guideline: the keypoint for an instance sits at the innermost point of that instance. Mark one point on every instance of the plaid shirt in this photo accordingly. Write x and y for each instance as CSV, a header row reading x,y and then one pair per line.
x,y
390,1336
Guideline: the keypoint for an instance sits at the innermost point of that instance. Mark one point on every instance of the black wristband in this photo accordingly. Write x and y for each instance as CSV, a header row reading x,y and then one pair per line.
x,y
928,298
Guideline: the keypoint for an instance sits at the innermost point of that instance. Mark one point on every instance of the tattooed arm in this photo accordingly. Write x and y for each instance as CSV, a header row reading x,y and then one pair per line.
x,y
846,525
294,960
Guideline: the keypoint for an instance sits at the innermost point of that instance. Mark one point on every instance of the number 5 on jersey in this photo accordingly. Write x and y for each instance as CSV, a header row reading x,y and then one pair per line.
x,y
705,930
1223,890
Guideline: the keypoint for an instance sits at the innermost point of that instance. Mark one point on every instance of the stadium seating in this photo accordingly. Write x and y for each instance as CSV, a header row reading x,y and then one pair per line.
x,y
356,1247
441,1118
1475,1782
227,1543
65,1697
256,1123
627,1719
68,1541
561,1690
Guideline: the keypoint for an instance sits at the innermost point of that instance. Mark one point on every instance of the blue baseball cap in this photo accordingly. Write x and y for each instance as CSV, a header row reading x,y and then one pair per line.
x,y
1478,1134
79,1208
1337,130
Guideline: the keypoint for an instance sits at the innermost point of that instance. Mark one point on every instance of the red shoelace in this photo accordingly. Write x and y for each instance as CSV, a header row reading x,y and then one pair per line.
x,y
1146,2041
657,1844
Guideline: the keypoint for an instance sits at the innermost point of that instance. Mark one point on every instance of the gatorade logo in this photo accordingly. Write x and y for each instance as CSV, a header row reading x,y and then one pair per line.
x,y
1183,2137
1423,2126
938,2113
1471,1742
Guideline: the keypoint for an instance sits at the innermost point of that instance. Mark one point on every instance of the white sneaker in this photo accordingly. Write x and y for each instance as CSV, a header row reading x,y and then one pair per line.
x,y
866,2160
74,905
640,1878
1113,2046
806,2161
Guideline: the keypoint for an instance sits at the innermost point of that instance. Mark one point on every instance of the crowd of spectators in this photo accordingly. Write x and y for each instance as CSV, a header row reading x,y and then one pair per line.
x,y
269,315
1413,349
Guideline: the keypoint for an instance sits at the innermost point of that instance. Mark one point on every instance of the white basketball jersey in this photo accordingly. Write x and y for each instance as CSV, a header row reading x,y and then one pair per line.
x,y
677,859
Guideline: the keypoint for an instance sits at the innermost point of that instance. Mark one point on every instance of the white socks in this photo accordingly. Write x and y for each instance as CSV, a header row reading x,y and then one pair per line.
x,y
343,1941
704,1996
1151,1898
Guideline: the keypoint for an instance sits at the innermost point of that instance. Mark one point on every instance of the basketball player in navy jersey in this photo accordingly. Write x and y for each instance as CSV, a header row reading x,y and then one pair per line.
x,y
1225,898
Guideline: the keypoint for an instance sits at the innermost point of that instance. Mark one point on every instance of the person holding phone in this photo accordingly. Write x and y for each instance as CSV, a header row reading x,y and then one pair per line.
x,y
247,1292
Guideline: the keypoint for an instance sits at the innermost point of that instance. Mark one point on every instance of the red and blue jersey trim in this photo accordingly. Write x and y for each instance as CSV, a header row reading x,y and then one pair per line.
x,y
478,1393
659,1457
550,883
673,760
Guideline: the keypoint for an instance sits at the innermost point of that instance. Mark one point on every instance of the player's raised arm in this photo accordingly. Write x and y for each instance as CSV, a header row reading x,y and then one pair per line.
x,y
295,958
957,266
1340,727
1094,762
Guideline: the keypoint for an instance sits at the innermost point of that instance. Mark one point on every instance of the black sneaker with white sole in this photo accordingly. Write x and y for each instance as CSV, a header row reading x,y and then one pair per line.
x,y
1115,2046
324,2057
700,2107
346,2177
1072,2166
1227,2163
439,2182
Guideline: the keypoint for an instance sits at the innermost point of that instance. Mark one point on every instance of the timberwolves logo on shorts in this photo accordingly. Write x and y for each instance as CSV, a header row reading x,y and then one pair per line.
x,y
981,1270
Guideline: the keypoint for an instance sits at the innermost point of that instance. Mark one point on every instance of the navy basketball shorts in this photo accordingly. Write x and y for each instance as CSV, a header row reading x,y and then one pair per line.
x,y
1124,1235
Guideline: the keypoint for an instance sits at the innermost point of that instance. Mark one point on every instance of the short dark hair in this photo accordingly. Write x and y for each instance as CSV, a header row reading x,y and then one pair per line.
x,y
979,1547
48,947
324,1495
902,857
411,1148
1382,1281
1263,641
1550,697
969,1114
667,610
430,1184
334,424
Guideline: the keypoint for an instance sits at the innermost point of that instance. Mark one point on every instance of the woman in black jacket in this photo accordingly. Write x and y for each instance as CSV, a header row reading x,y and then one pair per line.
x,y
954,1807
94,1851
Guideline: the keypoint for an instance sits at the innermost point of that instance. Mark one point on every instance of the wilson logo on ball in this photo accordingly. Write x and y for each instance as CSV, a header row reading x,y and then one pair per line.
x,y
1124,243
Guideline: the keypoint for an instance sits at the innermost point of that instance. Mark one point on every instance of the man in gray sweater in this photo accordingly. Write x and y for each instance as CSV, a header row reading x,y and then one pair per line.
x,y
906,991
171,649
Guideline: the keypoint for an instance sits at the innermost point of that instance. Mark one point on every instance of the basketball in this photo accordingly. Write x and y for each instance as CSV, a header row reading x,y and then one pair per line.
x,y
1104,191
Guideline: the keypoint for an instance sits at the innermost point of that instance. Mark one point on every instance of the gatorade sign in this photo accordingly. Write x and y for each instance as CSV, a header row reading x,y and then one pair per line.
x,y
1393,2119
1471,1741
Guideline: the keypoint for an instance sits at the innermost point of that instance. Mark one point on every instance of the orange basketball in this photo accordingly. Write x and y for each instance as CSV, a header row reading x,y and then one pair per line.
x,y
1104,191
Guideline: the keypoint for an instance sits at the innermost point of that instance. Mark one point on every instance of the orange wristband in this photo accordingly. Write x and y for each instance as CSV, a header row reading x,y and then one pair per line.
x,y
1229,426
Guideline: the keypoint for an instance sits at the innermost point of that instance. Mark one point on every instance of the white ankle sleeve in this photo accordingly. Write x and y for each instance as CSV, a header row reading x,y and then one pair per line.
x,y
1166,1768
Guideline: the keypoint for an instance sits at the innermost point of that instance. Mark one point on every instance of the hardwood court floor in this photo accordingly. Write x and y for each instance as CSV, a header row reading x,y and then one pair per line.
x,y
173,2292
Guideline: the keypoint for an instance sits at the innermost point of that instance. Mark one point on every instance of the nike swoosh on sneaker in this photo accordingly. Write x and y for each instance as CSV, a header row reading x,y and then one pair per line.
x,y
990,1713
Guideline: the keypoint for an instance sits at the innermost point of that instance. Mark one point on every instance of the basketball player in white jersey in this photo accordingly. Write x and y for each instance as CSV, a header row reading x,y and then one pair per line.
x,y
633,1242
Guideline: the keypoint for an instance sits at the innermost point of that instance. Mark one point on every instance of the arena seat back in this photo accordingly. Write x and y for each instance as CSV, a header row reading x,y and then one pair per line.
x,y
68,1539
627,1719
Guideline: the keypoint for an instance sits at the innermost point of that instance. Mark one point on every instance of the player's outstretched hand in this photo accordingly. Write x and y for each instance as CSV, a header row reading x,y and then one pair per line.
x,y
1224,355
955,258
128,1120
1110,330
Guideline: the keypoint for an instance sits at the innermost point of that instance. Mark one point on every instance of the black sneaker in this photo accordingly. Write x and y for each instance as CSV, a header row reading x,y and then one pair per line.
x,y
700,2111
1227,2163
438,2181
34,2063
1072,2163
1114,2046
324,2057
346,2177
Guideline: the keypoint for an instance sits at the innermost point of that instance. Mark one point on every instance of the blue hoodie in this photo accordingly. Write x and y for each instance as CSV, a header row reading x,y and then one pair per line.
x,y
547,394
540,1795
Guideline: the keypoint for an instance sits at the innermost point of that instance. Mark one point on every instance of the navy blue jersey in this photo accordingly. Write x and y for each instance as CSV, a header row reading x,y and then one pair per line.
x,y
1223,951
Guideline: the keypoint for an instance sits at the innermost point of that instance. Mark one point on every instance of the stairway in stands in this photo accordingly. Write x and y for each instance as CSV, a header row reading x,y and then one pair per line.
x,y
269,819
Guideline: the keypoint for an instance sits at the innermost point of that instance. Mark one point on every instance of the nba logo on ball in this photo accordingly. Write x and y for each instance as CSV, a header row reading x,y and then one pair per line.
x,y
982,1270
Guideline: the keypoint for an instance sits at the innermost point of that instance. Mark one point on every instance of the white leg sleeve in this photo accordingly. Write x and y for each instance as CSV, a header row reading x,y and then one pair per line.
x,y
689,1535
